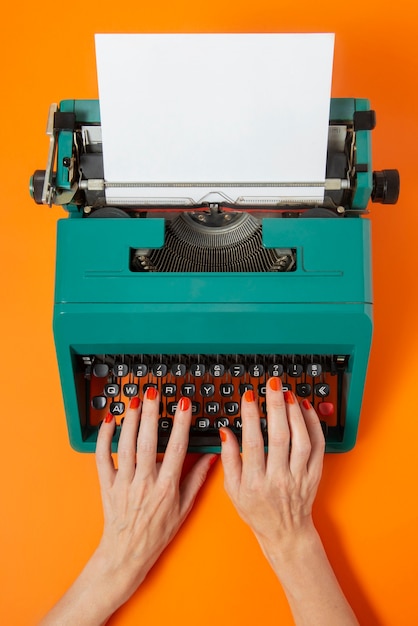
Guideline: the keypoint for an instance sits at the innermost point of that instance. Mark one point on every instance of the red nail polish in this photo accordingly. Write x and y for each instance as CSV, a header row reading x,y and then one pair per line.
x,y
275,383
306,404
151,393
108,418
222,435
184,404
134,402
289,397
213,460
249,395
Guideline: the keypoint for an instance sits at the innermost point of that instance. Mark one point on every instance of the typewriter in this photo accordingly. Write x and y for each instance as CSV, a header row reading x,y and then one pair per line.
x,y
210,300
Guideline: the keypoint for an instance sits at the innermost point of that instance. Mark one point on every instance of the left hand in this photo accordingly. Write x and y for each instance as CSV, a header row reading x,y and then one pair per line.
x,y
144,502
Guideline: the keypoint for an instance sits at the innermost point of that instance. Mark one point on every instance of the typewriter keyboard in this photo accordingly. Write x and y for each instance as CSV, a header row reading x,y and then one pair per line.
x,y
214,383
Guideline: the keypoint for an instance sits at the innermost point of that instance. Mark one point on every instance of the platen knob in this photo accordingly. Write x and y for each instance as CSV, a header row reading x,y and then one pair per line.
x,y
386,186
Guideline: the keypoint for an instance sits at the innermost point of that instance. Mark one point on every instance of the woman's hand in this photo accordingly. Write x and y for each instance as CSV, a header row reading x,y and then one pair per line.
x,y
274,494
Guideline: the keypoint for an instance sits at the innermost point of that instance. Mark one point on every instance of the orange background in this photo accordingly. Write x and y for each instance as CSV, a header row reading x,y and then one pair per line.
x,y
50,510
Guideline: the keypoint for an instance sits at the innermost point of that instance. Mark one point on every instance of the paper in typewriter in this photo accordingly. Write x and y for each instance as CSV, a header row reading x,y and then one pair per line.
x,y
240,116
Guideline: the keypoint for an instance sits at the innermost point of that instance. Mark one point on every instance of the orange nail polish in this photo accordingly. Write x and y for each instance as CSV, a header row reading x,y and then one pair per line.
x,y
108,418
134,402
306,404
151,393
275,383
249,395
222,435
289,397
184,404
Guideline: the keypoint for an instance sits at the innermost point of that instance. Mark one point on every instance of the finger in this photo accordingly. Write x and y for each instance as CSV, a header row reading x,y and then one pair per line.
x,y
300,449
231,461
252,438
146,445
278,428
194,481
127,441
316,436
104,462
178,442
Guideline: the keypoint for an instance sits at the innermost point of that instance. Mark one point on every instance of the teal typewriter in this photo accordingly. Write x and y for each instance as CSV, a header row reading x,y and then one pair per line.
x,y
209,300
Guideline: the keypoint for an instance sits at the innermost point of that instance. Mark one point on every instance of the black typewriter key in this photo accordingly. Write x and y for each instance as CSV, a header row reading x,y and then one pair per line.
x,y
202,423
98,402
159,370
262,390
295,370
169,390
275,369
212,408
165,424
263,424
145,387
100,370
117,408
245,387
238,423
321,390
188,390
217,370
221,422
226,390
111,390
130,390
314,369
140,370
120,369
195,408
197,370
303,390
178,369
286,387
231,408
207,390
237,370
256,370
171,407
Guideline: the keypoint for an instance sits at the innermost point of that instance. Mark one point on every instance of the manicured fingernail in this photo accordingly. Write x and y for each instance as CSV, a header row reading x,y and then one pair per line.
x,y
289,397
275,383
151,393
184,404
222,435
134,402
213,460
306,404
108,418
249,395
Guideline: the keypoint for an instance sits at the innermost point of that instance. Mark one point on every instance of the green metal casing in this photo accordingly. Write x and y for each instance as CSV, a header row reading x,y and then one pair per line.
x,y
324,307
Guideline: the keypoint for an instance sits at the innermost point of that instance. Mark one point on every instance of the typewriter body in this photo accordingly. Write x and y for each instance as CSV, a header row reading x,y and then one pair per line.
x,y
210,300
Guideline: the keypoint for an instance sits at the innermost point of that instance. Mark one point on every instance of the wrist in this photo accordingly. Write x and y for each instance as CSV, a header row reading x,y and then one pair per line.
x,y
284,548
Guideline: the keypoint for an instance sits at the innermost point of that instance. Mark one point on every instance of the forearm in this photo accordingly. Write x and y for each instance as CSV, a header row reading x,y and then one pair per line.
x,y
94,596
311,587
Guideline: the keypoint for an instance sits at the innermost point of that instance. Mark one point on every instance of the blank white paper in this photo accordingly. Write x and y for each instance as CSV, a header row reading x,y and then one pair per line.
x,y
242,115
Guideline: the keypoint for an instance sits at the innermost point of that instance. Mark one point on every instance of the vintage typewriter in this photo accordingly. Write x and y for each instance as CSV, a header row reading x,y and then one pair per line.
x,y
208,301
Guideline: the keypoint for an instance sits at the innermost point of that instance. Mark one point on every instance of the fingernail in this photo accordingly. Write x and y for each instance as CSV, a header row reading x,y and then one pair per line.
x,y
108,418
151,393
184,404
275,383
289,397
134,402
213,460
306,404
222,435
249,395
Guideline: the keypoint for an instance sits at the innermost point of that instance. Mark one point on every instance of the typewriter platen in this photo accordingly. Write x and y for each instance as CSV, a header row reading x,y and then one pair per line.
x,y
210,300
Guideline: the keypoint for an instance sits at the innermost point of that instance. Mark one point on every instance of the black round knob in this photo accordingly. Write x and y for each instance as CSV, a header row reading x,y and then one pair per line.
x,y
36,185
386,186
